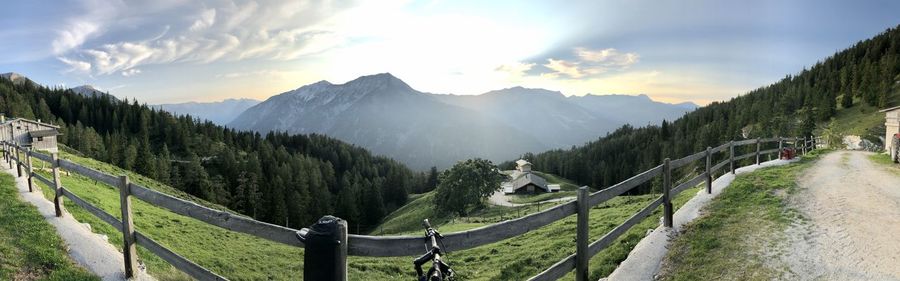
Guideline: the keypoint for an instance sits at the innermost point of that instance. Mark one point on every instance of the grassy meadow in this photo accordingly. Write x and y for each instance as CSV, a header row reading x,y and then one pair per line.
x,y
30,249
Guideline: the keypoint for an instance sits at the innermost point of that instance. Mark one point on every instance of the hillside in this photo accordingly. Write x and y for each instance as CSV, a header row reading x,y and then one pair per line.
x,y
866,73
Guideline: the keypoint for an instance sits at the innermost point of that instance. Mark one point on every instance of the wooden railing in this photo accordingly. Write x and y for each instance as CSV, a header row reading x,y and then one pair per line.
x,y
392,246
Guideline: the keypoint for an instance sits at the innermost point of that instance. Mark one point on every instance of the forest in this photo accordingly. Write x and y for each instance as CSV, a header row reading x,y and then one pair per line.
x,y
289,180
792,106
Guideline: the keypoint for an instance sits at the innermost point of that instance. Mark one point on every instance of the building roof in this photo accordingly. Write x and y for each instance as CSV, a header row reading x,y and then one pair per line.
x,y
522,162
32,122
890,109
529,178
43,133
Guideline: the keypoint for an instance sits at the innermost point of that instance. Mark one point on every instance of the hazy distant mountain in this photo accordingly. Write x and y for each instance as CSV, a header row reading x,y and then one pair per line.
x,y
220,112
15,78
546,115
383,114
91,91
637,110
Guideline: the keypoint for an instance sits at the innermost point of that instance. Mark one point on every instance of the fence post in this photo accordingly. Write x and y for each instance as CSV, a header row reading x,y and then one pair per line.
x,y
708,173
128,249
780,146
731,157
582,236
6,155
804,145
667,200
18,161
57,182
758,144
30,169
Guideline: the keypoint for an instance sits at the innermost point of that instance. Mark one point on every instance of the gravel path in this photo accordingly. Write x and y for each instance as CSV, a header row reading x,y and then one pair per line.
x,y
88,249
852,226
502,199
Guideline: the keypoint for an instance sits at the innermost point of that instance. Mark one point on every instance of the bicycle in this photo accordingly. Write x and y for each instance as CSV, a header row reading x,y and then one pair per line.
x,y
439,270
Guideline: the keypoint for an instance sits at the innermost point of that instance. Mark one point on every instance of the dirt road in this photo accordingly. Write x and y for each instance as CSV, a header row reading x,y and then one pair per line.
x,y
851,229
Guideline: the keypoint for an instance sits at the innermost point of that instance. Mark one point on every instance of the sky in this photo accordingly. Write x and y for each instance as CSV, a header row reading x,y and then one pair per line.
x,y
168,51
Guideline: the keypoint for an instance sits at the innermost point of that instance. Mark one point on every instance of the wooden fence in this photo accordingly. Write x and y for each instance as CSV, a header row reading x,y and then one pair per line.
x,y
392,246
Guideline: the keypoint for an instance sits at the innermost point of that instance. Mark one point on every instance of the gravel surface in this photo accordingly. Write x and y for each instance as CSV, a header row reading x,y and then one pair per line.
x,y
502,199
88,249
851,229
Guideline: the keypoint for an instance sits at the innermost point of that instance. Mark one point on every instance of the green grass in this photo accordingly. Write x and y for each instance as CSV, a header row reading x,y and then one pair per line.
x,y
30,249
862,119
408,219
726,243
523,256
885,161
233,255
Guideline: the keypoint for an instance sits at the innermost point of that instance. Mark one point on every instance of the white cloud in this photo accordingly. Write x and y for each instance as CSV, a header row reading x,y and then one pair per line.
x,y
606,57
590,63
207,19
516,69
564,67
226,32
73,36
131,72
75,65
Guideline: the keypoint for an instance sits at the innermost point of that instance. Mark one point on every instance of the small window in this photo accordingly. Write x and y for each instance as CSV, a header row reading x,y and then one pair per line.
x,y
18,127
40,139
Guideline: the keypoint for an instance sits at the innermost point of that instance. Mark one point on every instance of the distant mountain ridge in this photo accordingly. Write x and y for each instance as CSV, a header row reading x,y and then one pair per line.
x,y
385,115
91,91
220,112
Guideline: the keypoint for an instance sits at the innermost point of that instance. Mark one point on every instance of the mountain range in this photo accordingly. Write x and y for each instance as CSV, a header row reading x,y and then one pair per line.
x,y
221,112
385,115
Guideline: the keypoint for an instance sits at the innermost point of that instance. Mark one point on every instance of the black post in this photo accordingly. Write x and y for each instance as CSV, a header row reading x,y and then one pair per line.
x,y
325,255
667,200
731,158
708,173
757,151
582,236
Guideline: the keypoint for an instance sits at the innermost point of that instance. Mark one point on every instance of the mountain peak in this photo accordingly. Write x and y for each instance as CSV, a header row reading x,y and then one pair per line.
x,y
90,91
14,77
381,81
87,87
381,77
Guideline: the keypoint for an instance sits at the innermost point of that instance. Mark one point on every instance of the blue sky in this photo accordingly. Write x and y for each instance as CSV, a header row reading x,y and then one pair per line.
x,y
175,51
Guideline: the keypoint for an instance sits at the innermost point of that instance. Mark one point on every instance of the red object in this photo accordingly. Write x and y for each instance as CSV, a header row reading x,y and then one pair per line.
x,y
787,154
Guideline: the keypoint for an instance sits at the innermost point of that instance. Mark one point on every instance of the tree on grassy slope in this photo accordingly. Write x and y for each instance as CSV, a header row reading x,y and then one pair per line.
x,y
466,185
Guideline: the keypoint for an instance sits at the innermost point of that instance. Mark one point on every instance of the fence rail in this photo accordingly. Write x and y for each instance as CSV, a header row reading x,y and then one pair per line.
x,y
392,246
